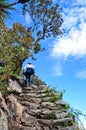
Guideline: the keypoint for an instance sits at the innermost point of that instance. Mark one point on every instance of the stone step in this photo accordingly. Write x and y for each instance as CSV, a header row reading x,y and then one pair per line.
x,y
28,95
30,105
38,87
61,115
28,120
25,128
47,104
54,123
52,115
67,128
35,95
29,100
31,90
32,87
31,121
60,102
49,107
42,113
63,122
47,116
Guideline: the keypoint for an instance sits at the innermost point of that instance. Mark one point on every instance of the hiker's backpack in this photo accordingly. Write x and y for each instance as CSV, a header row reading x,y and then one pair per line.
x,y
30,71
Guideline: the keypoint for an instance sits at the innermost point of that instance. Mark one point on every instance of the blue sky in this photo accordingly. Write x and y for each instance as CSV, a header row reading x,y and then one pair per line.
x,y
63,64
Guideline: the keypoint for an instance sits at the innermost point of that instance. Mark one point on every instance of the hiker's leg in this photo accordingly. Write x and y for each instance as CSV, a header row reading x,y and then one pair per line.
x,y
32,78
28,80
24,79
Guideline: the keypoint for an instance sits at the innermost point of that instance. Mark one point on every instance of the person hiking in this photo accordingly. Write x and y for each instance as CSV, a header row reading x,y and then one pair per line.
x,y
28,70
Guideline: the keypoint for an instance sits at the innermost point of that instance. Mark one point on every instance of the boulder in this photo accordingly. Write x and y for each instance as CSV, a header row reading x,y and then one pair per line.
x,y
14,86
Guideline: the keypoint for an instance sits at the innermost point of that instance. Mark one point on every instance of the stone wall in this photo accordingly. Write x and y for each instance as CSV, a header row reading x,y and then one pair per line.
x,y
33,108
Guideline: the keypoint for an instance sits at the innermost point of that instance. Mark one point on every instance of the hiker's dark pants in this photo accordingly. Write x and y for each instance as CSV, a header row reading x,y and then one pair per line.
x,y
27,80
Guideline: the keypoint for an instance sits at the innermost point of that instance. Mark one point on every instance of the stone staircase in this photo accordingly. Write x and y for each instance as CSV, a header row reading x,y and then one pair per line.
x,y
44,110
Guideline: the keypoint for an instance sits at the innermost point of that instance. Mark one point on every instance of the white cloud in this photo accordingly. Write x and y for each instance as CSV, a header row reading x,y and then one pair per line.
x,y
73,43
72,2
81,74
81,2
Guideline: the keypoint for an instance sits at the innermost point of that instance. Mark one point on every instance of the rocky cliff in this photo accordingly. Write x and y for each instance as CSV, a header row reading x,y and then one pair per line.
x,y
33,108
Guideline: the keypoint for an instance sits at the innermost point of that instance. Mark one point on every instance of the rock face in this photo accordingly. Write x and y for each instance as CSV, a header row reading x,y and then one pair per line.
x,y
3,114
37,108
14,86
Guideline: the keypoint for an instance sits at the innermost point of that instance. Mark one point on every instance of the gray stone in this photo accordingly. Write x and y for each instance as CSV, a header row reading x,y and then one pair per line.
x,y
15,106
29,94
28,120
61,115
46,99
68,128
60,102
3,121
63,122
3,104
14,86
25,128
44,122
47,104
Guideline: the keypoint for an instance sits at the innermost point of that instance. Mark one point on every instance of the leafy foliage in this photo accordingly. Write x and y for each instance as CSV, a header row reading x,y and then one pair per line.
x,y
15,43
46,18
76,115
4,10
